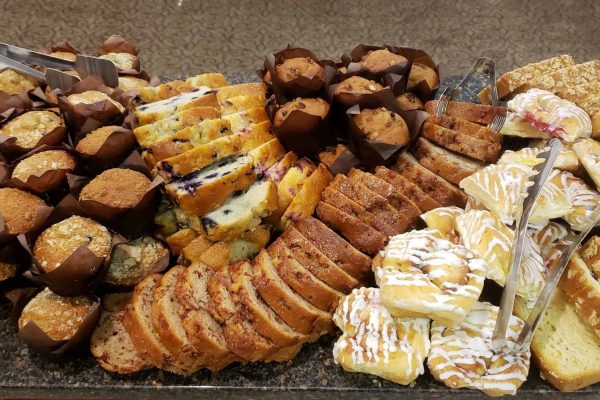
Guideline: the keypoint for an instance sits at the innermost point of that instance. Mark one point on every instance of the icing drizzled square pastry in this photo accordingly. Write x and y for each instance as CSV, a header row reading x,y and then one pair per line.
x,y
375,342
444,220
462,356
422,274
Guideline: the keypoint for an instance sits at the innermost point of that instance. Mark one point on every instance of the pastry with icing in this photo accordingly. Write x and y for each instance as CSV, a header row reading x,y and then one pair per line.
x,y
421,273
585,202
444,220
462,356
566,160
377,343
548,238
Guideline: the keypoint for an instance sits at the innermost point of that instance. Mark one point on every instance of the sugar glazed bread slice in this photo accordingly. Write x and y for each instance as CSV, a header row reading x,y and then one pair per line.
x,y
423,200
110,342
478,113
466,127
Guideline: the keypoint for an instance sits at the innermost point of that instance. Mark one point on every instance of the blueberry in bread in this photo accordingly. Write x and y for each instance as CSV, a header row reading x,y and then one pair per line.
x,y
266,155
153,112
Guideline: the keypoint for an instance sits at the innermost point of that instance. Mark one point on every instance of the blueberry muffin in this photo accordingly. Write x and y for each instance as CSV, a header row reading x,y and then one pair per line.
x,y
29,128
421,72
45,161
58,242
19,210
318,107
93,97
382,125
131,83
12,82
58,317
133,261
408,101
94,140
122,60
378,60
358,85
117,187
293,68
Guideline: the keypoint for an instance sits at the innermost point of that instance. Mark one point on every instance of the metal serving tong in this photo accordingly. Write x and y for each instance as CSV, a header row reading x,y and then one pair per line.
x,y
17,58
483,66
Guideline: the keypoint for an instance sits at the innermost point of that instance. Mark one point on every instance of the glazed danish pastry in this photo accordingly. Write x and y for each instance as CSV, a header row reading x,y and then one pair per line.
x,y
547,239
462,356
422,274
375,342
444,220
585,202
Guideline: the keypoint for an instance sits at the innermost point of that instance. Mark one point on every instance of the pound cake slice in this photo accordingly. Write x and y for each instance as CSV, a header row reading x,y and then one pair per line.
x,y
478,113
110,342
423,200
338,250
289,185
244,89
450,166
241,103
442,191
266,155
301,280
466,127
245,119
149,113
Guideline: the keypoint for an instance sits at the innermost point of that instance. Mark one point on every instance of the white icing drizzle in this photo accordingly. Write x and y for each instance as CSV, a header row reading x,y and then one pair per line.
x,y
583,199
442,219
462,356
547,239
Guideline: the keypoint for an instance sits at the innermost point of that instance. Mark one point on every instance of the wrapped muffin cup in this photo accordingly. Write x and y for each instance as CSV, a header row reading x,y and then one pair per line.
x,y
41,216
12,105
13,253
5,170
111,153
118,44
19,297
418,56
372,152
302,86
343,101
10,148
66,47
344,163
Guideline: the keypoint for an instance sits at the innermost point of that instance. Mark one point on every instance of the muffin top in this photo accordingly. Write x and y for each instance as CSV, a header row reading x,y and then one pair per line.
x,y
421,72
293,68
19,209
94,140
408,101
378,60
117,187
58,242
93,96
317,106
121,60
358,85
131,83
383,125
132,261
12,82
30,127
44,161
58,317
65,55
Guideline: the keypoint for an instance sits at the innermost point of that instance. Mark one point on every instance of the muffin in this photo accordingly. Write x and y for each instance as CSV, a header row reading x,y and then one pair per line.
x,y
40,163
19,210
12,82
58,317
93,97
132,261
420,73
378,60
65,55
131,83
7,270
293,68
93,141
408,101
317,107
58,242
29,128
122,60
357,85
382,125
117,187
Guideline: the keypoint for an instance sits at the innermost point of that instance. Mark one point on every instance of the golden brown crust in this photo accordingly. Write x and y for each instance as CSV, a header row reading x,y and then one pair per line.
x,y
423,200
419,73
29,128
19,210
466,127
478,113
12,82
317,107
117,187
92,97
409,101
94,140
293,68
378,60
358,85
382,125
42,162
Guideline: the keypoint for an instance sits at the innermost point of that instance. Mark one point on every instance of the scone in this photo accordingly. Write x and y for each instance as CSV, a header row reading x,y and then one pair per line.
x,y
117,188
293,68
422,73
12,82
382,125
93,97
317,107
132,261
377,61
61,240
19,210
53,165
357,86
409,101
30,128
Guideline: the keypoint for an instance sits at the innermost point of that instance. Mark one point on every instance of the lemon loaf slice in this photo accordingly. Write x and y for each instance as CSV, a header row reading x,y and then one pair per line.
x,y
210,79
241,212
204,190
243,89
423,200
247,118
153,112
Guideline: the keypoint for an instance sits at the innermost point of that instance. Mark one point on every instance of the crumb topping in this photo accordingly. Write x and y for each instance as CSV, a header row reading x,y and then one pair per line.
x,y
19,210
30,127
92,142
117,187
42,162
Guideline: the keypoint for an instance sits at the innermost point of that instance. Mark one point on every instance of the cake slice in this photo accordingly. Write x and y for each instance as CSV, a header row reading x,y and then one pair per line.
x,y
150,133
338,250
359,234
293,309
178,240
241,212
167,322
466,127
243,89
462,143
301,280
514,80
241,103
277,171
405,206
205,154
304,202
149,113
149,94
478,113
575,75
247,118
210,79
289,186
315,261
442,191
204,190
407,188
266,155
450,166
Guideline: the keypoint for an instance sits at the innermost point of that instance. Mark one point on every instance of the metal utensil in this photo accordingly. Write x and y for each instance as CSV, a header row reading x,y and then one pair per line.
x,y
507,302
65,81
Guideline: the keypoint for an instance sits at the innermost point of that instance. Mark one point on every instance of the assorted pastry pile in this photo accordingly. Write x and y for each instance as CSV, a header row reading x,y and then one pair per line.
x,y
277,204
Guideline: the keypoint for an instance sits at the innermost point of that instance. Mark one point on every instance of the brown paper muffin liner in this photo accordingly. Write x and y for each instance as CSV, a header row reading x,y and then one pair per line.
x,y
10,148
65,46
5,170
118,44
112,152
35,338
41,216
301,86
418,56
373,153
13,253
344,163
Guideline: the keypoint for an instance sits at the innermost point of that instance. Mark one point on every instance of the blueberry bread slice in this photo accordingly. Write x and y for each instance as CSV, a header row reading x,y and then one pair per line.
x,y
289,185
266,155
277,171
241,103
167,90
247,118
243,89
149,113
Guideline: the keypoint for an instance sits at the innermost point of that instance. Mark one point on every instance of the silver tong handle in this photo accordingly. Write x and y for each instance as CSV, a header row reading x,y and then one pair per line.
x,y
510,287
537,312
33,57
27,70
